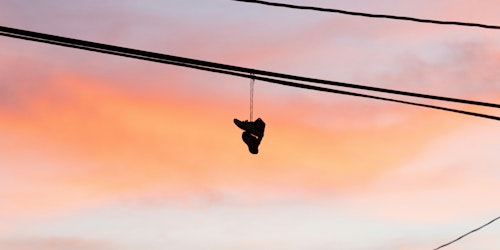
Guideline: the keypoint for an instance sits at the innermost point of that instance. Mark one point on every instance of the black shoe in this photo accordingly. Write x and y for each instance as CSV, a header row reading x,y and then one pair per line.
x,y
251,141
256,128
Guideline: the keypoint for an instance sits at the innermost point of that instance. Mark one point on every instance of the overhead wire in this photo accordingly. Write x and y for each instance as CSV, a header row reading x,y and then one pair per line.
x,y
6,31
404,18
464,235
166,59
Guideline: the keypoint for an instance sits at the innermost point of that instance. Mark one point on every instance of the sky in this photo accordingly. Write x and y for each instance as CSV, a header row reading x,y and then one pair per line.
x,y
104,152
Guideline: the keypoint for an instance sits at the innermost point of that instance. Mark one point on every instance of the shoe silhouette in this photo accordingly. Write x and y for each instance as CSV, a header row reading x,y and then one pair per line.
x,y
256,128
253,133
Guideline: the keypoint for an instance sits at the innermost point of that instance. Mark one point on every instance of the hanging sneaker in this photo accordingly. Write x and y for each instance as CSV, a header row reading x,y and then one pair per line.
x,y
256,128
251,141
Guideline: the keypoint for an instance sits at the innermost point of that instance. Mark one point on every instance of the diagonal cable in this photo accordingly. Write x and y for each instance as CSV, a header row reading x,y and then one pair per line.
x,y
461,237
404,18
228,72
6,31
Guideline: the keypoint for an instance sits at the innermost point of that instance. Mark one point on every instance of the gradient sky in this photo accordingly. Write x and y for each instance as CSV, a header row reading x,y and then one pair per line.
x,y
103,152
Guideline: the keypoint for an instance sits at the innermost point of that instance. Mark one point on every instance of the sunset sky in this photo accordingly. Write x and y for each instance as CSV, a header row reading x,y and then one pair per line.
x,y
110,153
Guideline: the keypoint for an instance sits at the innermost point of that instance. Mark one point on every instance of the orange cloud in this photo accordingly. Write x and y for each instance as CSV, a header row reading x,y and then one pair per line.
x,y
89,141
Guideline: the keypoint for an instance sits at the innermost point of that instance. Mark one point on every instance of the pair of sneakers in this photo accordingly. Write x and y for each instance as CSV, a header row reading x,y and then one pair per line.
x,y
253,133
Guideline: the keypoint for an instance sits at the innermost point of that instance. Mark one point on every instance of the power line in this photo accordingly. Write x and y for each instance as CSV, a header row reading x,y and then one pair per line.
x,y
461,237
420,20
51,38
166,59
